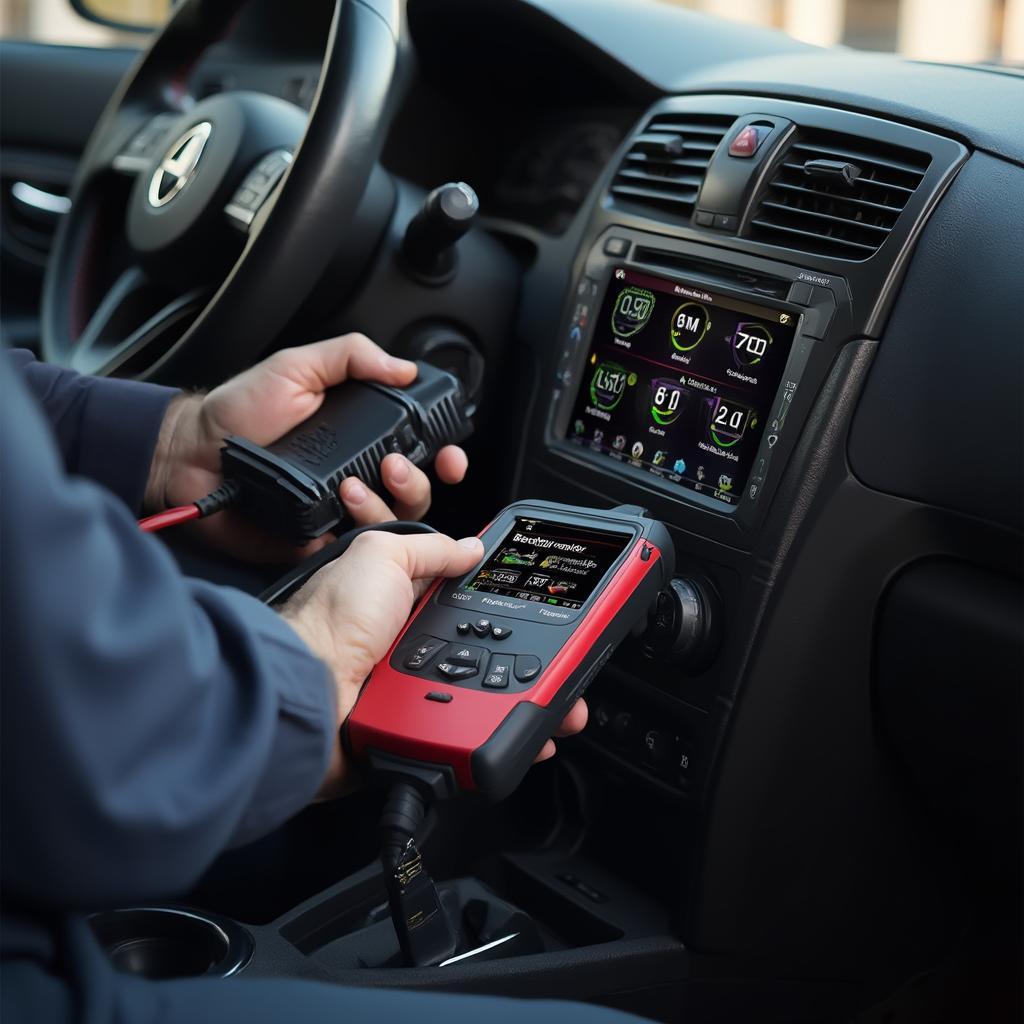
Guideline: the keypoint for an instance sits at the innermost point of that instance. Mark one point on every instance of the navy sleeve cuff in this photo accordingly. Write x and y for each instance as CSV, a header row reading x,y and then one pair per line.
x,y
119,432
106,429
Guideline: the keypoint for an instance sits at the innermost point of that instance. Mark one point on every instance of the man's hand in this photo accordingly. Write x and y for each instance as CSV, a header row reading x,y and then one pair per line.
x,y
263,404
350,612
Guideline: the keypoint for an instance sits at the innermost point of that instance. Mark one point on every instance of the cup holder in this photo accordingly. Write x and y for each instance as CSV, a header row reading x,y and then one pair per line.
x,y
167,942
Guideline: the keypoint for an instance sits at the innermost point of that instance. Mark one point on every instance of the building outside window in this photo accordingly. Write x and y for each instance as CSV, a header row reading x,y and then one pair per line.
x,y
953,31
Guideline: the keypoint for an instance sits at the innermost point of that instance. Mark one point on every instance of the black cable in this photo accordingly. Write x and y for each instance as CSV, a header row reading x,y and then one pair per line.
x,y
283,588
219,498
426,933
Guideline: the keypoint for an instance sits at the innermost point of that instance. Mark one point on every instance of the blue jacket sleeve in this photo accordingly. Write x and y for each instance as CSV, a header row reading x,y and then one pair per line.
x,y
149,721
105,429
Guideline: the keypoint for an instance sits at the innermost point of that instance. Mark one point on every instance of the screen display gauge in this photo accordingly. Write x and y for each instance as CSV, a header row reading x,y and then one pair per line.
x,y
679,380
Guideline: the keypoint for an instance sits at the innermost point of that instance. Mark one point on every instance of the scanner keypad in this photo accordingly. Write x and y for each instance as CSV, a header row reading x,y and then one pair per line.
x,y
469,664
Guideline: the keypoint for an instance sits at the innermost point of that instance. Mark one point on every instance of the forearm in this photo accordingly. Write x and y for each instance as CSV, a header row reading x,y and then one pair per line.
x,y
149,721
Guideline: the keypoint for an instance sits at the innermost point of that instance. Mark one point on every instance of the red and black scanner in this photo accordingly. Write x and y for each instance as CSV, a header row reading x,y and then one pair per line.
x,y
489,664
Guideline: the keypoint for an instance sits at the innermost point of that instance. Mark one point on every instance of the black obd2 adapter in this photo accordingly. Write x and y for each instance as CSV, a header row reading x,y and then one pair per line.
x,y
291,486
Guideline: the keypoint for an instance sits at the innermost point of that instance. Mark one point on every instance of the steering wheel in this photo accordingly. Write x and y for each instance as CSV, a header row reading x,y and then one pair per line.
x,y
197,229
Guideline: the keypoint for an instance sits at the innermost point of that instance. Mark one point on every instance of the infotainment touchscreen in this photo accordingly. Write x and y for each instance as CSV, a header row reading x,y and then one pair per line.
x,y
679,382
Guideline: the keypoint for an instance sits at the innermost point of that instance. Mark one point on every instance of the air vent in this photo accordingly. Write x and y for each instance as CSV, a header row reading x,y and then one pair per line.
x,y
837,195
667,161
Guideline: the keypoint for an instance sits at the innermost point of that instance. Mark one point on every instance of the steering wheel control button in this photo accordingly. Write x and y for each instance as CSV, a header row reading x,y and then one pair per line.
x,y
440,698
144,144
499,672
425,648
463,628
501,632
527,667
462,654
482,627
258,184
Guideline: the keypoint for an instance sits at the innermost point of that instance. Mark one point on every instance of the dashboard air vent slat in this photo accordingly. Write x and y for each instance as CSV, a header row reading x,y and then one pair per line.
x,y
667,161
807,208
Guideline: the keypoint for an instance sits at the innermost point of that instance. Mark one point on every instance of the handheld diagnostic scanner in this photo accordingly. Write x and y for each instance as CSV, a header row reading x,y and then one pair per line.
x,y
489,664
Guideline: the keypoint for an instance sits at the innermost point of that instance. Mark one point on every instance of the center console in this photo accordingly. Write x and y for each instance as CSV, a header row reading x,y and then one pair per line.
x,y
739,251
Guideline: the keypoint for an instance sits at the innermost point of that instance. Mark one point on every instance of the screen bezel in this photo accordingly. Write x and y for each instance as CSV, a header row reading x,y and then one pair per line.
x,y
561,412
453,595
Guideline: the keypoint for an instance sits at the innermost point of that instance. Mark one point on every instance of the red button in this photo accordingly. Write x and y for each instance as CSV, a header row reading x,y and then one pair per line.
x,y
745,144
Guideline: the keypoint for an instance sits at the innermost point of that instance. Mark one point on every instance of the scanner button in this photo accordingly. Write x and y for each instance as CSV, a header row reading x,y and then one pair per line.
x,y
463,628
424,648
441,698
463,654
527,667
482,627
450,671
500,632
499,672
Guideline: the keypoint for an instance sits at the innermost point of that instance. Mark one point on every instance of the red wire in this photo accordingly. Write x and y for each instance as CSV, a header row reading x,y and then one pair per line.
x,y
170,517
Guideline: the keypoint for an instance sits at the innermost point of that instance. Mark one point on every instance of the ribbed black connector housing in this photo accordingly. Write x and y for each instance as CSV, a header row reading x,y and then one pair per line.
x,y
290,487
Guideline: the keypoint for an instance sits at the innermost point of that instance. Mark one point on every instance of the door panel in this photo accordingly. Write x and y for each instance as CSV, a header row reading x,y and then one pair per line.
x,y
50,98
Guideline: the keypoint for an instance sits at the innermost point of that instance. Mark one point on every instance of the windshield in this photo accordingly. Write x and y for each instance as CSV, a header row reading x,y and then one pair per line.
x,y
948,31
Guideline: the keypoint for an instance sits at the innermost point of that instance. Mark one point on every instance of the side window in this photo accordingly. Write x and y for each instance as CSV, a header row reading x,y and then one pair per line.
x,y
57,21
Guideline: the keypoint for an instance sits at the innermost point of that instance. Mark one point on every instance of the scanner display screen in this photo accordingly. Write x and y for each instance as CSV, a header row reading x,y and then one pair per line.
x,y
550,563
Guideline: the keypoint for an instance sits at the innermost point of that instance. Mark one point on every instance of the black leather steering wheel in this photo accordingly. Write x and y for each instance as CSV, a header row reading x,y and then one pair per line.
x,y
235,204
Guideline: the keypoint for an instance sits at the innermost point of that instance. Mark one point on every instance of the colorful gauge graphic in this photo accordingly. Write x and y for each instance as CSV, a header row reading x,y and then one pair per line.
x,y
728,421
633,309
607,385
750,343
668,400
690,322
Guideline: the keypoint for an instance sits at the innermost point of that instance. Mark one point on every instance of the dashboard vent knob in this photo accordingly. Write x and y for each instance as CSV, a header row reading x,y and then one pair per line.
x,y
674,145
837,195
667,161
836,170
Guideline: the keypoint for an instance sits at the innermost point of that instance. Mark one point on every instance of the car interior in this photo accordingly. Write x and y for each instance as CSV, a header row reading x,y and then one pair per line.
x,y
799,793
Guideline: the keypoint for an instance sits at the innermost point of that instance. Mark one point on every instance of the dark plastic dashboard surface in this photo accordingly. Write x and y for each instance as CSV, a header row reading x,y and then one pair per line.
x,y
679,51
941,420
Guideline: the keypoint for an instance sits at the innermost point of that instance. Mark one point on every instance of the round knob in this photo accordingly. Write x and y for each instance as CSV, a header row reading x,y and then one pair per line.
x,y
446,215
683,628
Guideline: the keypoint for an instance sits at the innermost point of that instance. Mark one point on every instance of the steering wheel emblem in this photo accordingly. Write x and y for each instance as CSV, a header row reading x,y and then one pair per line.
x,y
178,165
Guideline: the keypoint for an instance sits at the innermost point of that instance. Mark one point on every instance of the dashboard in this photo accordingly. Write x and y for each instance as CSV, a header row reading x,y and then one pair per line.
x,y
736,257
754,324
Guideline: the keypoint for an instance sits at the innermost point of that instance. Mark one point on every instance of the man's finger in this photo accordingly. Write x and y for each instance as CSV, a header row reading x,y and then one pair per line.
x,y
351,357
407,484
575,721
451,464
422,555
362,504
548,750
